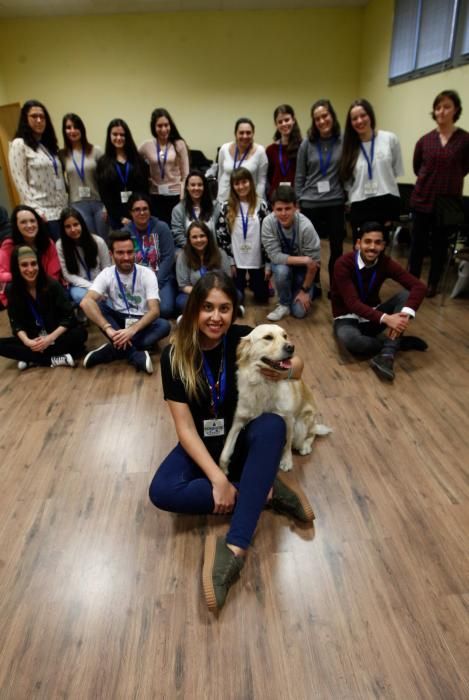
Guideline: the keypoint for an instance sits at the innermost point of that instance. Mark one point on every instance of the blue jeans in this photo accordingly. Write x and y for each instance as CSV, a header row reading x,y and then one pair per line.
x,y
168,298
144,339
76,293
363,338
92,212
288,281
180,486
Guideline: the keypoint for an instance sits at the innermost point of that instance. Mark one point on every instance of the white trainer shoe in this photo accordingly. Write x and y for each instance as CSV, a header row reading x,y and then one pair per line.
x,y
62,361
278,313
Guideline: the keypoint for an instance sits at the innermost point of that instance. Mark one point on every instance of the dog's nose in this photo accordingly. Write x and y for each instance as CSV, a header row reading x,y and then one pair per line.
x,y
289,348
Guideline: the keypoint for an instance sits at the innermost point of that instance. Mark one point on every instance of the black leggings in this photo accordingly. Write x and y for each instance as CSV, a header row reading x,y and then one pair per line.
x,y
384,209
329,222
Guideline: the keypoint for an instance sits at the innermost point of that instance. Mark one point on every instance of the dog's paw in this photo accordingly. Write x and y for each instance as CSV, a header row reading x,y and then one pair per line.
x,y
286,465
305,449
321,429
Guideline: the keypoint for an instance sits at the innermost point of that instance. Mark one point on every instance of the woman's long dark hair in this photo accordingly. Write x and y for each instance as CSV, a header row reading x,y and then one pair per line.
x,y
294,137
86,241
24,131
106,164
206,204
17,290
159,112
351,143
42,240
186,355
313,131
212,255
78,124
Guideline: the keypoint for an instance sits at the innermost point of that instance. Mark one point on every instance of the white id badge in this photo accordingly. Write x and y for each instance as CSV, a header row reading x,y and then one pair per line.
x,y
42,333
245,247
370,188
164,190
286,183
84,192
125,196
130,320
324,186
214,427
59,184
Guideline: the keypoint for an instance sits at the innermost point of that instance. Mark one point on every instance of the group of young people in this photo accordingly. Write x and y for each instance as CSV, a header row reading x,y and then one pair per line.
x,y
177,250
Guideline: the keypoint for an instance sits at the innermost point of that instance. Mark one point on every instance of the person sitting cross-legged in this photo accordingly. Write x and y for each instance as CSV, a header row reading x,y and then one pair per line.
x,y
129,316
293,247
364,324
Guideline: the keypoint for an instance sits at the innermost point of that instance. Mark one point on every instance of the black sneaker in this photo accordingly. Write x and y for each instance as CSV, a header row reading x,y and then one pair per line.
x,y
221,569
141,360
411,342
383,365
290,499
102,355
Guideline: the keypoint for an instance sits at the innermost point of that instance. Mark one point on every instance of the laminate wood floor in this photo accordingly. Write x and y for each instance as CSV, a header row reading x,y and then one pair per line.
x,y
100,593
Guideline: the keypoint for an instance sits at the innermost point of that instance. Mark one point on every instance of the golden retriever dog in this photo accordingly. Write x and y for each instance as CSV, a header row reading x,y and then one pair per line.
x,y
268,346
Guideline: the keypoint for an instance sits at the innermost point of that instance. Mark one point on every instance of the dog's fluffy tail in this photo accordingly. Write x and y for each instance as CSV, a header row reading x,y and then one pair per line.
x,y
321,429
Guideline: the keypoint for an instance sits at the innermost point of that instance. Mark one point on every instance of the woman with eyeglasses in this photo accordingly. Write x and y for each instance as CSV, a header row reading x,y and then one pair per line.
x,y
35,165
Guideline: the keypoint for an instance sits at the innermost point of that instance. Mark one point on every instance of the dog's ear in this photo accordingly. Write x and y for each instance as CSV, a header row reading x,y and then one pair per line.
x,y
244,347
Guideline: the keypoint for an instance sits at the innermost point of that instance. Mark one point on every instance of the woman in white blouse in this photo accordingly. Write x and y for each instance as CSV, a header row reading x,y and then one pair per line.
x,y
35,165
371,161
242,152
79,159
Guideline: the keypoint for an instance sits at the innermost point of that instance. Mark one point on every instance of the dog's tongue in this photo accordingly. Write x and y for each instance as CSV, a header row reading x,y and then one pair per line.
x,y
285,364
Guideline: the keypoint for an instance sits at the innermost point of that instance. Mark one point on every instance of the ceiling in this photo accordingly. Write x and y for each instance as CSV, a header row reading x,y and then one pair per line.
x,y
48,8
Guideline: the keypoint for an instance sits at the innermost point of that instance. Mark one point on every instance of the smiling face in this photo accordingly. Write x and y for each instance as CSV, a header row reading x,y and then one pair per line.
x,y
140,214
284,123
361,122
117,137
29,270
198,240
162,129
242,188
195,188
215,317
323,121
244,136
27,226
124,256
72,228
284,213
37,121
370,245
72,132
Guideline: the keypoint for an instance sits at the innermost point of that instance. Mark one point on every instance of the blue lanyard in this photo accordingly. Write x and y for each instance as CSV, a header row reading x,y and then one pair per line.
x,y
361,290
244,221
283,169
52,159
324,164
202,270
35,312
217,388
83,264
80,170
369,161
139,240
125,177
121,287
288,246
165,157
194,215
243,158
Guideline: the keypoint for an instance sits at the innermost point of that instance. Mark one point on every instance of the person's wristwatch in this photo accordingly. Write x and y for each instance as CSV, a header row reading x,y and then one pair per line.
x,y
305,289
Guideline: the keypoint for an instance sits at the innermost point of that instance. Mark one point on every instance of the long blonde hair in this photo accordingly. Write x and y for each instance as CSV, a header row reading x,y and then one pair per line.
x,y
233,199
185,353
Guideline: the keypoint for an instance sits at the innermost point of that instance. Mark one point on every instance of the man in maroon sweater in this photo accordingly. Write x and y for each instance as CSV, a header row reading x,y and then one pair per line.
x,y
360,318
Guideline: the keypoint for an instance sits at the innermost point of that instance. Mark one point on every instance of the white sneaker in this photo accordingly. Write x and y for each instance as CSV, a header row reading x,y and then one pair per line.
x,y
62,361
22,365
278,313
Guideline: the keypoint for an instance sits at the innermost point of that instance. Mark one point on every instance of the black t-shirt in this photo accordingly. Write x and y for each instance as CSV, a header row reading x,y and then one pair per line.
x,y
173,388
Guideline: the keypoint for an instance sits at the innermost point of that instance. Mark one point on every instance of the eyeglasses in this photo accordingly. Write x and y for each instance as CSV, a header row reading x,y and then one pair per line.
x,y
37,117
140,210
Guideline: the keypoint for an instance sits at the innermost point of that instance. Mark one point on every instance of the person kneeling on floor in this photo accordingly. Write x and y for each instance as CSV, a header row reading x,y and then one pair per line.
x,y
294,249
359,316
129,317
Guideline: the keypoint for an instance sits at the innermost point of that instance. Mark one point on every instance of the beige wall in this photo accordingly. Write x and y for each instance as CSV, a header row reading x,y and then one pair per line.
x,y
404,109
207,68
